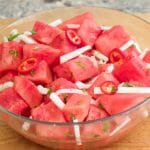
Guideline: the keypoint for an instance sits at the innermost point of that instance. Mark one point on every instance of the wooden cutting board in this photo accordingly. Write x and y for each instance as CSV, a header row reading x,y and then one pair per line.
x,y
137,140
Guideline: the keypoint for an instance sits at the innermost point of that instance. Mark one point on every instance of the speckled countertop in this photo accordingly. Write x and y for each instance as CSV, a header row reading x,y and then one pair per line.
x,y
19,8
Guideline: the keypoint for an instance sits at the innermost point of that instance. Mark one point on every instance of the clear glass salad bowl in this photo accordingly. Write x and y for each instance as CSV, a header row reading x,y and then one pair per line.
x,y
108,130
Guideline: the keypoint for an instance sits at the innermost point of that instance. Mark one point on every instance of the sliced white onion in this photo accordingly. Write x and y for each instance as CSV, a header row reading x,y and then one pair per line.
x,y
144,53
127,90
26,39
75,53
82,85
14,32
42,90
5,39
105,27
93,79
27,33
6,85
57,101
70,91
127,45
118,128
110,68
73,26
56,23
77,133
103,59
137,47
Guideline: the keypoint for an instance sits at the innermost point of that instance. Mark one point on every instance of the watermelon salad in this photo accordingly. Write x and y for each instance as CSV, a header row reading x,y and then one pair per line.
x,y
72,71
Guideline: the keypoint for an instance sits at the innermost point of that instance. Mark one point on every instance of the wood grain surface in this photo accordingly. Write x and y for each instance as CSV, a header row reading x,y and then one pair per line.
x,y
138,139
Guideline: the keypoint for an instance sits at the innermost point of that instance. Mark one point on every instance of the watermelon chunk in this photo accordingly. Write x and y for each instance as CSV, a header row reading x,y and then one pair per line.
x,y
76,20
13,102
100,79
117,36
28,91
45,33
41,52
49,112
133,69
61,42
147,57
89,31
117,103
77,107
13,52
41,74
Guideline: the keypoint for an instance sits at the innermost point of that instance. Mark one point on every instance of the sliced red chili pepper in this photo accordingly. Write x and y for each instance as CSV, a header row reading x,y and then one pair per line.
x,y
27,65
109,87
116,56
73,37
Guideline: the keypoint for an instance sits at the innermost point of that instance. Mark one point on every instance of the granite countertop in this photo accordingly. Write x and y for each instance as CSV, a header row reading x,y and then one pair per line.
x,y
20,8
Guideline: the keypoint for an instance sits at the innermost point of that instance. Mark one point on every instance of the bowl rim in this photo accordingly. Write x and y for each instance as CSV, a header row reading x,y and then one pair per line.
x,y
26,119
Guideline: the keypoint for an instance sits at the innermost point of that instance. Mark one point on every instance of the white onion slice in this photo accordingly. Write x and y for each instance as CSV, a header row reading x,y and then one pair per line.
x,y
56,23
42,90
57,101
6,85
118,128
77,133
103,59
110,68
5,39
127,90
26,39
70,91
14,32
127,45
27,33
82,85
73,26
75,53
144,53
105,27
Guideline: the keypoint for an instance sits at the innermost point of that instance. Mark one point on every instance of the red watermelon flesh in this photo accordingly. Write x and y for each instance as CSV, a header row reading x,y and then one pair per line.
x,y
77,107
41,52
76,20
82,69
61,42
89,31
28,91
113,38
13,102
13,52
45,33
100,79
117,103
133,69
50,113
147,57
41,74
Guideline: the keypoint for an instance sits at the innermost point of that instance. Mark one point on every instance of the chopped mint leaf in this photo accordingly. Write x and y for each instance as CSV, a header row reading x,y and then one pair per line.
x,y
32,72
65,98
33,32
12,36
106,126
13,52
113,90
80,64
49,91
127,84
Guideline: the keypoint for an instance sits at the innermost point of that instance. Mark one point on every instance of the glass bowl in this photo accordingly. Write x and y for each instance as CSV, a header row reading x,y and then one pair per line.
x,y
93,134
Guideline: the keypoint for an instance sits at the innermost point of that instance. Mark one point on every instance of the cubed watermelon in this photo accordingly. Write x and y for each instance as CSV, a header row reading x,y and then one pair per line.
x,y
147,57
50,113
13,102
45,33
41,52
28,91
77,107
113,38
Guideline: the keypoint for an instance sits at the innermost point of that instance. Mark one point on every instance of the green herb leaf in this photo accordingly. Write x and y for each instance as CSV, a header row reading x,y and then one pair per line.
x,y
106,126
113,90
80,64
32,72
12,36
127,84
49,91
13,52
33,32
